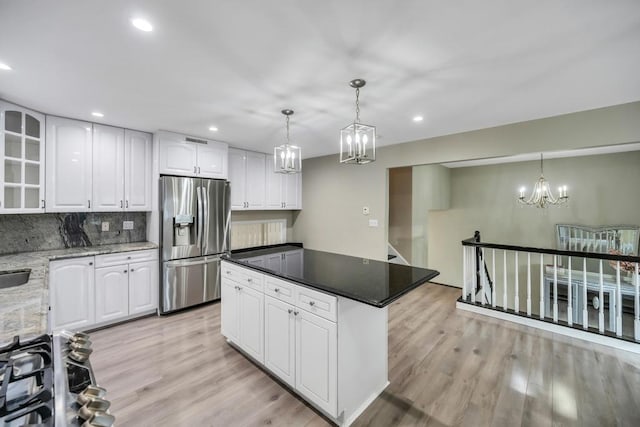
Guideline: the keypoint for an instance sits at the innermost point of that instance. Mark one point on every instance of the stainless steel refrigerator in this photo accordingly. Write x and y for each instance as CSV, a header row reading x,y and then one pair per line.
x,y
194,233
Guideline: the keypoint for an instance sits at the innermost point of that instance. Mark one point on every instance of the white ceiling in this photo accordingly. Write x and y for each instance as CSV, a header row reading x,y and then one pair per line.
x,y
234,64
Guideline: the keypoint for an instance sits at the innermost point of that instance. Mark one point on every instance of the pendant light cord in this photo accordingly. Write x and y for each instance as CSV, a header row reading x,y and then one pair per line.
x,y
287,129
357,105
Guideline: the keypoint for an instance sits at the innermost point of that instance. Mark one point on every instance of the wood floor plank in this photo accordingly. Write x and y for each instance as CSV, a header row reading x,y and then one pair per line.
x,y
446,368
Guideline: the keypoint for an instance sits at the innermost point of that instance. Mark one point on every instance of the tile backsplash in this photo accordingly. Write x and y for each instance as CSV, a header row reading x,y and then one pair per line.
x,y
39,232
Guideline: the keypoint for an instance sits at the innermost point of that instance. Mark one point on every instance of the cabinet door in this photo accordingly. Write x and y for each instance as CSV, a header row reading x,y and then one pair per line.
x,y
176,156
143,287
72,293
108,169
255,187
22,162
212,160
292,191
273,183
69,165
112,293
230,310
252,322
137,171
317,360
279,339
238,178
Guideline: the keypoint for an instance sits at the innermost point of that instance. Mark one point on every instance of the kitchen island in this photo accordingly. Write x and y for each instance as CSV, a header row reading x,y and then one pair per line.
x,y
318,321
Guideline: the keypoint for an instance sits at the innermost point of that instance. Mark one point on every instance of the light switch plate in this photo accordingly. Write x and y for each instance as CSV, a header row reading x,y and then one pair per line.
x,y
365,210
373,223
127,225
105,226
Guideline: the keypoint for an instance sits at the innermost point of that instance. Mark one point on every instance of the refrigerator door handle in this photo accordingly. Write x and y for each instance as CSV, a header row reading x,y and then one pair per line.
x,y
205,220
200,217
185,262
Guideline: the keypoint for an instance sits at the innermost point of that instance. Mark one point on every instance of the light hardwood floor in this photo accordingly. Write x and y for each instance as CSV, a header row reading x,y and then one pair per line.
x,y
446,367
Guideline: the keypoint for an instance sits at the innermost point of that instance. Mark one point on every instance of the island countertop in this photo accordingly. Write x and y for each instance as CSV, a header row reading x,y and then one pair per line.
x,y
372,282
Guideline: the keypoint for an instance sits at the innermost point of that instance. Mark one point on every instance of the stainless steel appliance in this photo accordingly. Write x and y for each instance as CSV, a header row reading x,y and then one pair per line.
x,y
194,233
48,381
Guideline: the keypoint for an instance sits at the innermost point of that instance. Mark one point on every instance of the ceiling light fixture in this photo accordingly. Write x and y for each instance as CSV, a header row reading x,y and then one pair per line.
x,y
542,196
213,129
4,66
142,24
287,158
97,114
358,141
418,118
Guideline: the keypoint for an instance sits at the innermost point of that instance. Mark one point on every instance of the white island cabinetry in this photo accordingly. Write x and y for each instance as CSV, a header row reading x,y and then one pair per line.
x,y
313,341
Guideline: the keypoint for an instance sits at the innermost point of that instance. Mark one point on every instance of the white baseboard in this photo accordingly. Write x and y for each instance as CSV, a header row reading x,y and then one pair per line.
x,y
552,327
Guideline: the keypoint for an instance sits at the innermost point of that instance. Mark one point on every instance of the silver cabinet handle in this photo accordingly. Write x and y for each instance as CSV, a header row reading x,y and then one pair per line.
x,y
132,270
195,169
89,204
125,271
276,290
128,257
126,204
290,311
249,280
239,288
295,313
198,169
43,204
121,204
228,272
312,303
90,263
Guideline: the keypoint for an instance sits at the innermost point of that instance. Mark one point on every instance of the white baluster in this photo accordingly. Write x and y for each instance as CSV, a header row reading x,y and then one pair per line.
x,y
601,296
517,298
585,312
555,289
504,295
493,272
542,286
636,281
569,295
474,276
618,302
464,273
528,284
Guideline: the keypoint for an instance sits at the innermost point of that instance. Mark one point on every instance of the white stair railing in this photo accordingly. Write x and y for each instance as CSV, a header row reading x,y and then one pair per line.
x,y
568,291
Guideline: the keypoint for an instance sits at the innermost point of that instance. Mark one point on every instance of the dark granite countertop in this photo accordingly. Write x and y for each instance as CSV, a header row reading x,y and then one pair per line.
x,y
372,282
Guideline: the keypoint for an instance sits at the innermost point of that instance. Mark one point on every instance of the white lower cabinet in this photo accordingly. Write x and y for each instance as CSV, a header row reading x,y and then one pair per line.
x,y
317,360
252,322
230,310
99,290
72,293
279,339
112,293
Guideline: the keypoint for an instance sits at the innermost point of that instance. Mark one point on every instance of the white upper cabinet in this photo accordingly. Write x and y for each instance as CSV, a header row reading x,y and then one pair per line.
x,y
108,168
22,165
186,156
137,170
284,191
246,174
69,165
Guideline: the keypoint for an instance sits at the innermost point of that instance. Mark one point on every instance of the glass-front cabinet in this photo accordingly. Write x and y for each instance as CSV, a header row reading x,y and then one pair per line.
x,y
22,160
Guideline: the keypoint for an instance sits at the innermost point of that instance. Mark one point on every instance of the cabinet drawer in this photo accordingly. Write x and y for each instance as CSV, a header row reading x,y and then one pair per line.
x,y
317,303
126,257
280,289
243,276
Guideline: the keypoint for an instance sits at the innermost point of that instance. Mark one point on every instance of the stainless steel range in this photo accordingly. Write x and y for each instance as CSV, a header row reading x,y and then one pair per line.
x,y
48,381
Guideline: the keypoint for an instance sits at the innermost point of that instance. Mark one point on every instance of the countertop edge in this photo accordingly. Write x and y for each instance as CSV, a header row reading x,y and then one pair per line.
x,y
320,288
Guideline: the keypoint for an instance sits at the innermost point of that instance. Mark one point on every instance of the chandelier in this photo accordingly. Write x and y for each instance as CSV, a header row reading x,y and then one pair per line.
x,y
358,141
542,195
287,158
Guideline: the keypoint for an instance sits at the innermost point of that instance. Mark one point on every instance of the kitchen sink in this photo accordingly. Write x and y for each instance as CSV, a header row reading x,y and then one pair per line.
x,y
9,279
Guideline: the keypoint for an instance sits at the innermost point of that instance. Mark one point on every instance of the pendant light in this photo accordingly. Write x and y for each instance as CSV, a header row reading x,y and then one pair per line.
x,y
358,141
287,158
541,196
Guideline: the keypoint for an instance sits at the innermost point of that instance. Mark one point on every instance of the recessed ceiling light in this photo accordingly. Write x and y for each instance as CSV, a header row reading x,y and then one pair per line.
x,y
97,114
142,24
213,129
418,118
4,66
